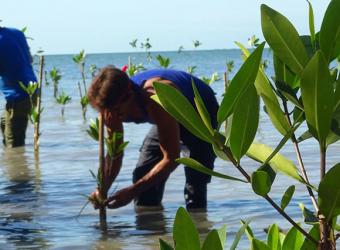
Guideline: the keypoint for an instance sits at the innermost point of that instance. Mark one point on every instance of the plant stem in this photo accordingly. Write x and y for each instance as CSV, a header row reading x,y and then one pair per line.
x,y
102,189
82,69
326,241
287,217
37,123
299,158
281,211
225,78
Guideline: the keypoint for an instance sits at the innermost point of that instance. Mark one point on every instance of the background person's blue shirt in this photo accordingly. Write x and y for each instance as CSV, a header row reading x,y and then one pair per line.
x,y
15,63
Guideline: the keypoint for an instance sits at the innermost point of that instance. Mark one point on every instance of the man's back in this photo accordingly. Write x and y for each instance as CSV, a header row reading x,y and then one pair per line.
x,y
15,63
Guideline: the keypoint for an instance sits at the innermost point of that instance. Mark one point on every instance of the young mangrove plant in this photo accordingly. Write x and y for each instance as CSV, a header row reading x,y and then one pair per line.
x,y
164,62
214,78
79,59
106,173
191,69
147,46
63,99
196,44
33,89
304,90
55,78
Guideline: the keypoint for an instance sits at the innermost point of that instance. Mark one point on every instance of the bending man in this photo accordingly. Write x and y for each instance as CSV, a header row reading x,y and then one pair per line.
x,y
124,99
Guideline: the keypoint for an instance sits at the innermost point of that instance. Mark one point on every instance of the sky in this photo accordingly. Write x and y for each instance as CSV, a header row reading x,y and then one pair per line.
x,y
104,26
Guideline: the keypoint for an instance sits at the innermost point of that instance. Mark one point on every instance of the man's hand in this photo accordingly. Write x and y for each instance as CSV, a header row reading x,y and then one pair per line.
x,y
120,198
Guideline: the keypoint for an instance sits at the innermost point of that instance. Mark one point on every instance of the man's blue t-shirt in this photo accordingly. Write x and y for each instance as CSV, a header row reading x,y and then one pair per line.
x,y
15,64
183,81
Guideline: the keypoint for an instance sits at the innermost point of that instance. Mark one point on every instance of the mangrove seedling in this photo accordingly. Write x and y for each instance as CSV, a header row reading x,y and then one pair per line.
x,y
196,44
214,78
147,46
63,99
55,77
33,89
79,59
191,69
164,62
106,173
253,41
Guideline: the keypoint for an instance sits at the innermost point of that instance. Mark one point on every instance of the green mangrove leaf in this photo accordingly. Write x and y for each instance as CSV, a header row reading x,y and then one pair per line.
x,y
239,235
273,238
212,241
219,153
244,77
199,167
185,233
293,241
310,48
318,97
337,95
329,193
268,169
287,196
261,182
222,233
248,231
305,136
245,122
265,90
311,23
163,245
260,153
330,31
259,245
202,110
288,93
276,116
309,217
309,245
282,143
181,109
283,38
283,73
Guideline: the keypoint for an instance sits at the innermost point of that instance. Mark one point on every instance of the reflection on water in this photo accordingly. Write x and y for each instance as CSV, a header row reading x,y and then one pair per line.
x,y
20,201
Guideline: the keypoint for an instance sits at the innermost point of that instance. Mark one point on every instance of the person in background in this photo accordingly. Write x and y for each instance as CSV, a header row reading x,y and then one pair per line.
x,y
15,67
123,99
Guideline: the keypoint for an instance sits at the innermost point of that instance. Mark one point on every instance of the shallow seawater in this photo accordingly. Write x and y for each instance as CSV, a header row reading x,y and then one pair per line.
x,y
41,197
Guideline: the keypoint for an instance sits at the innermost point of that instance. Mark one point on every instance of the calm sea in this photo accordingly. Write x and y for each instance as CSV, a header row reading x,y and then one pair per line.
x,y
40,199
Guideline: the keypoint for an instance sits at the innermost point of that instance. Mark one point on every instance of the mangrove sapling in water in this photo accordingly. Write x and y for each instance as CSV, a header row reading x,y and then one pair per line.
x,y
196,44
209,80
63,99
303,78
147,46
164,62
55,77
79,59
33,89
106,172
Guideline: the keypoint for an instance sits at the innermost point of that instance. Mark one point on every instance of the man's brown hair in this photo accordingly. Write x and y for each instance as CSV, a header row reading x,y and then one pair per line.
x,y
107,87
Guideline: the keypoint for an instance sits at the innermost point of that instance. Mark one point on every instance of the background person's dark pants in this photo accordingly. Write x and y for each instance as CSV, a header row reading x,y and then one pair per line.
x,y
195,190
14,122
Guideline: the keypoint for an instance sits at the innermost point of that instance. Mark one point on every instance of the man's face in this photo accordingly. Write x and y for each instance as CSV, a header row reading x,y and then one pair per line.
x,y
128,109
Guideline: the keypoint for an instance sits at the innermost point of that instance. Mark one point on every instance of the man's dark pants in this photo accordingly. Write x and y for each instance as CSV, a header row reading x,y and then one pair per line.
x,y
14,122
195,190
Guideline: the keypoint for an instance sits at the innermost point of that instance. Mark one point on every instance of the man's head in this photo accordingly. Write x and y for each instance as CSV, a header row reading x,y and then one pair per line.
x,y
108,88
